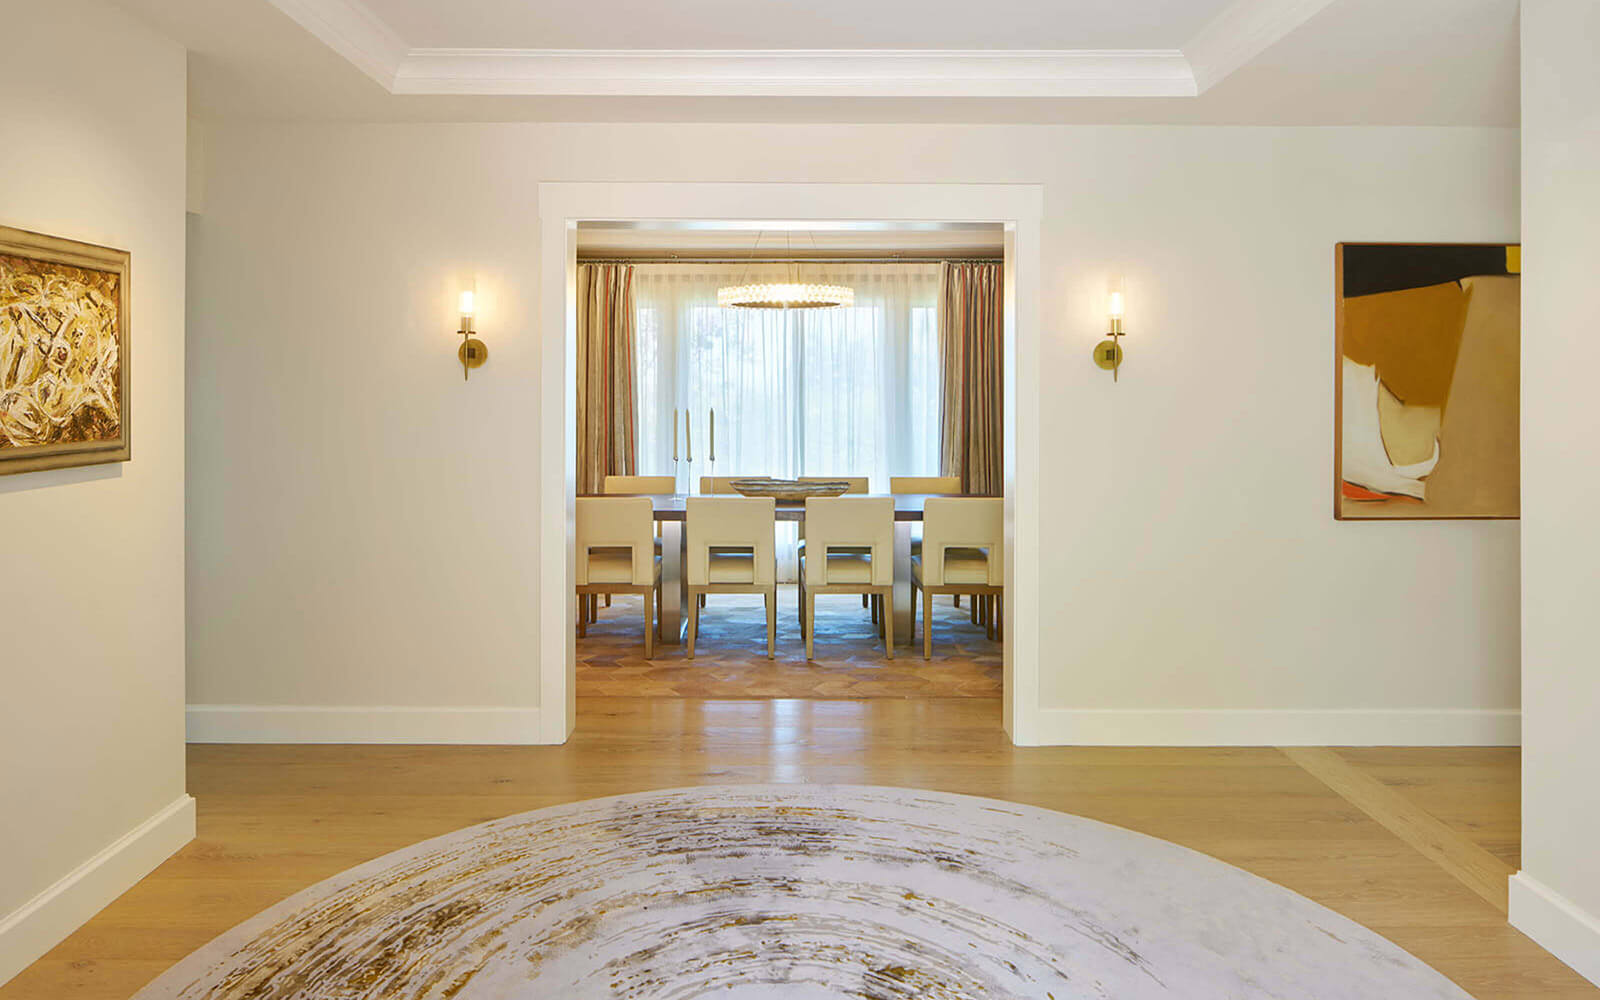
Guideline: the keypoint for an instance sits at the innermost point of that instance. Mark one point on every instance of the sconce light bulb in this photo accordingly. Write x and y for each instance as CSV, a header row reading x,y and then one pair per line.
x,y
1114,307
467,303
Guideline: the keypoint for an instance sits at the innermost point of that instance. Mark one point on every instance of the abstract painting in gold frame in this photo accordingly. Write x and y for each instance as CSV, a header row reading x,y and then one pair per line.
x,y
63,353
1427,351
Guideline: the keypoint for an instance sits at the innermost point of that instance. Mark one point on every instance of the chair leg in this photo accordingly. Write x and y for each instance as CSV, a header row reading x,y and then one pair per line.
x,y
649,629
608,600
927,624
974,607
888,630
659,615
594,607
583,615
988,615
702,600
771,600
872,602
800,604
955,599
811,623
694,623
864,600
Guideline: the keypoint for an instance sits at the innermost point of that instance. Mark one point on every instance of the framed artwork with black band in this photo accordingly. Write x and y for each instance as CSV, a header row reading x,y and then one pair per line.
x,y
1427,355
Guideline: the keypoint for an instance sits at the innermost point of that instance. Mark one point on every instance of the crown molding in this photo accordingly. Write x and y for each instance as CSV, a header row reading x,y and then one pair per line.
x,y
1243,30
1240,33
351,29
796,72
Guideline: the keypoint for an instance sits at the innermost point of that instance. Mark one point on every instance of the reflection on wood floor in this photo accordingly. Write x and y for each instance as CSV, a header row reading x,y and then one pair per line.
x,y
731,662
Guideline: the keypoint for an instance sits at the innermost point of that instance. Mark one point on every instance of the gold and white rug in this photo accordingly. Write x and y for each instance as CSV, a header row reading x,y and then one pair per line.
x,y
797,891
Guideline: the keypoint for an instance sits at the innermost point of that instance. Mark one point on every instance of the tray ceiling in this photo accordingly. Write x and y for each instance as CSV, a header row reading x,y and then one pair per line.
x,y
1316,62
798,24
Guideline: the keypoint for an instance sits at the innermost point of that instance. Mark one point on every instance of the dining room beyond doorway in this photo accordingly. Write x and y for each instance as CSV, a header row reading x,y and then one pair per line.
x,y
788,461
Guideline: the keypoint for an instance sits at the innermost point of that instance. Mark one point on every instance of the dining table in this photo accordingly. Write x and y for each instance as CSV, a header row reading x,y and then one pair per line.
x,y
670,511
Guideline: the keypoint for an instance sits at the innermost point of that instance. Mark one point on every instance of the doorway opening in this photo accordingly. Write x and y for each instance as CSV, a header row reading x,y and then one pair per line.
x,y
797,393
892,385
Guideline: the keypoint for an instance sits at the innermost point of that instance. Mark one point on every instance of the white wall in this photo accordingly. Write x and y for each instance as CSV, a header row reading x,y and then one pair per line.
x,y
1556,896
91,560
361,519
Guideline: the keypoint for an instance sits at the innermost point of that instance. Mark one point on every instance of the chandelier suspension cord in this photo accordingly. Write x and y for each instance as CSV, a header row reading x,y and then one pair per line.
x,y
749,267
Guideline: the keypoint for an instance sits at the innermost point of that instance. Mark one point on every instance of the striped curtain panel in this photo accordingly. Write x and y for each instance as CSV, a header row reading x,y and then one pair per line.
x,y
606,428
970,330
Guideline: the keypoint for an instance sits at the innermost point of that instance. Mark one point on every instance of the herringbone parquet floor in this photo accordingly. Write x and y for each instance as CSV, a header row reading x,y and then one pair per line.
x,y
731,662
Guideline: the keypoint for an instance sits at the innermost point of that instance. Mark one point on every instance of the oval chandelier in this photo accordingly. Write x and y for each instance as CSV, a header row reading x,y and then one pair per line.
x,y
791,294
785,295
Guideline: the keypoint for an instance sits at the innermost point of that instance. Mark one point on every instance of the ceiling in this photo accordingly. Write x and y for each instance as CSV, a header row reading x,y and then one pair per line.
x,y
798,24
1309,62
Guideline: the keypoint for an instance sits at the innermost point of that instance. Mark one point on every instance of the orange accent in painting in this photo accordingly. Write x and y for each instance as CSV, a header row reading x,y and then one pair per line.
x,y
1350,491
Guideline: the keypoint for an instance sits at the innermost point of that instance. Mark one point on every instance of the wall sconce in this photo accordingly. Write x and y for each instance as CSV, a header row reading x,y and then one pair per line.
x,y
472,352
1108,353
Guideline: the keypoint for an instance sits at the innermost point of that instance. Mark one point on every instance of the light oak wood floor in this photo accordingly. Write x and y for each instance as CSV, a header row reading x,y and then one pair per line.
x,y
1405,841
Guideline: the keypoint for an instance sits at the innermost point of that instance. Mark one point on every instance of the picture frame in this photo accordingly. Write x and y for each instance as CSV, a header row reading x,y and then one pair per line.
x,y
1426,375
65,353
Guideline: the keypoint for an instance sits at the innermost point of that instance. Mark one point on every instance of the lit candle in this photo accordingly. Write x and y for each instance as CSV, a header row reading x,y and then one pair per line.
x,y
713,455
674,433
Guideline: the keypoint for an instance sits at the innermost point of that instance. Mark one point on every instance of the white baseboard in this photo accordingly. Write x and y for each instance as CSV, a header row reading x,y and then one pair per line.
x,y
1557,924
45,920
1273,727
364,724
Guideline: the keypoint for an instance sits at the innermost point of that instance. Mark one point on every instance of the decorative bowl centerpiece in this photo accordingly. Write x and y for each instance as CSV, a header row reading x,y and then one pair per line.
x,y
790,489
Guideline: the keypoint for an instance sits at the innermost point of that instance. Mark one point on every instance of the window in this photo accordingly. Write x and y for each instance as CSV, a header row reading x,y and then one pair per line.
x,y
806,392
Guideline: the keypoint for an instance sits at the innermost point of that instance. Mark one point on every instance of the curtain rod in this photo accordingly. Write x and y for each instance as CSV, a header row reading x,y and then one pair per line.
x,y
787,260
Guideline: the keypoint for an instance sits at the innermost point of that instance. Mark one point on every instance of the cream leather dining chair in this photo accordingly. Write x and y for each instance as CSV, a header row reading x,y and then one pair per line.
x,y
641,484
963,544
731,550
849,550
930,485
634,485
719,486
927,486
858,484
616,555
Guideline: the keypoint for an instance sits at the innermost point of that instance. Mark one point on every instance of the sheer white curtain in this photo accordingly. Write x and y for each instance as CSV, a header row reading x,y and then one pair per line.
x,y
805,392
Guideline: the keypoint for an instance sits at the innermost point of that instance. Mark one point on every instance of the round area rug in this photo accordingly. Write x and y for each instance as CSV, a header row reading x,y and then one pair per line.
x,y
789,891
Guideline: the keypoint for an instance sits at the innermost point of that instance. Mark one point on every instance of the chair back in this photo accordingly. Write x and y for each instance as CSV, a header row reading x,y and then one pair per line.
x,y
858,484
930,485
963,523
641,484
731,523
721,484
616,523
849,522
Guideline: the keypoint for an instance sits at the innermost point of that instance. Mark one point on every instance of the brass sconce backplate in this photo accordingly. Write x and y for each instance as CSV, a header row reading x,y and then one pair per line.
x,y
1108,354
472,354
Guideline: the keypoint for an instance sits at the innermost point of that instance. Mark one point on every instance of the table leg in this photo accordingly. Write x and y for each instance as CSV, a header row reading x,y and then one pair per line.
x,y
672,585
902,583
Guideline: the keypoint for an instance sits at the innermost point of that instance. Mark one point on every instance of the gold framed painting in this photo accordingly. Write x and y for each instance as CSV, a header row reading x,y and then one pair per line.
x,y
63,353
1427,350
